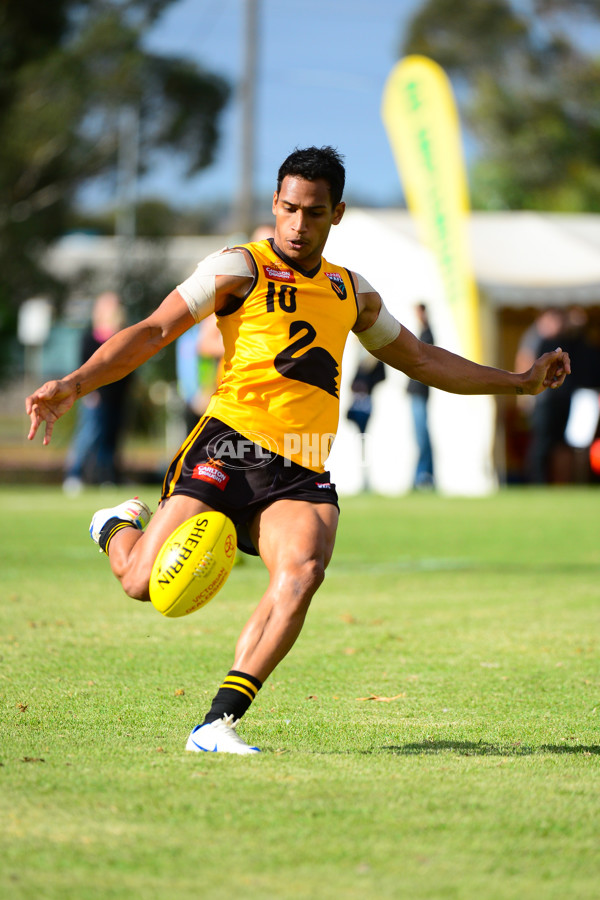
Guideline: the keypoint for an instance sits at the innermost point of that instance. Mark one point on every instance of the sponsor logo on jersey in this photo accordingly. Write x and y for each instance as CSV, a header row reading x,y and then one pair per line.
x,y
212,474
337,283
275,274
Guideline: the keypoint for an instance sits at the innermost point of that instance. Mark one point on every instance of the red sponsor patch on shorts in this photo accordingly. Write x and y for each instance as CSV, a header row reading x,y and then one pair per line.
x,y
276,274
211,474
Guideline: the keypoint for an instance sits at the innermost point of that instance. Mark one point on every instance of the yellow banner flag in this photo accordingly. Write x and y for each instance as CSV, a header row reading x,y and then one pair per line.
x,y
420,117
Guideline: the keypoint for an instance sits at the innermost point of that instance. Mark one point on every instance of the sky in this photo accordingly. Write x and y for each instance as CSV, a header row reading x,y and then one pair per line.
x,y
322,68
321,73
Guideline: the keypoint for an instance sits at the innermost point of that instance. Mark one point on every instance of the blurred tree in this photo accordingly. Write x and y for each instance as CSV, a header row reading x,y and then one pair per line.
x,y
529,94
156,218
67,70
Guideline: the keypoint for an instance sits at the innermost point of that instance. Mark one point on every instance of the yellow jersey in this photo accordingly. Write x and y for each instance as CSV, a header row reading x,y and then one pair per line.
x,y
283,356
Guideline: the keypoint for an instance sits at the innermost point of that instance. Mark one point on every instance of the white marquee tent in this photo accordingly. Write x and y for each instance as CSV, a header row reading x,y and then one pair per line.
x,y
519,259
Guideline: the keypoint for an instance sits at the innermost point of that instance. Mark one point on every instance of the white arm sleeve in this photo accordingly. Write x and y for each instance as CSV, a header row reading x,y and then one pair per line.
x,y
198,290
382,332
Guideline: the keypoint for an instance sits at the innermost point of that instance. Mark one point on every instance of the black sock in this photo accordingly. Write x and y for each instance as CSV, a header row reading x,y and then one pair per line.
x,y
109,529
234,696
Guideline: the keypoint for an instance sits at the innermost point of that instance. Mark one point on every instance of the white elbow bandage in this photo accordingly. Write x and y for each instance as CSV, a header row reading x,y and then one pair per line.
x,y
382,332
198,290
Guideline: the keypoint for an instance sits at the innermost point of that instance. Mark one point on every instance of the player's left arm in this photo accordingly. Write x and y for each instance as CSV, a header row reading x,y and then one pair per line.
x,y
439,368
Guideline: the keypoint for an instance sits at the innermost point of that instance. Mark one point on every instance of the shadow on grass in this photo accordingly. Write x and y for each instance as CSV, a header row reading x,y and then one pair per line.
x,y
469,748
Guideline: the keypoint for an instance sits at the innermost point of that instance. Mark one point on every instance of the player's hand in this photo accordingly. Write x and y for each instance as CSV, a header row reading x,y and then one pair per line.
x,y
549,371
48,404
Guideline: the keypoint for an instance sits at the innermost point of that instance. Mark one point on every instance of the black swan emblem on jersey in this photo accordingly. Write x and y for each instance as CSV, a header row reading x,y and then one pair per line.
x,y
316,366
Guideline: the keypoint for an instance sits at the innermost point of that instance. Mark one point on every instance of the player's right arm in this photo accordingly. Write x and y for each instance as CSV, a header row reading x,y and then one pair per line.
x,y
128,349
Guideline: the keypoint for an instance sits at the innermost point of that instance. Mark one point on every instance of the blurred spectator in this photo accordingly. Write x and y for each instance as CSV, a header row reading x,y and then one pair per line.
x,y
369,373
578,341
198,355
92,456
263,232
419,395
547,415
549,457
186,365
547,326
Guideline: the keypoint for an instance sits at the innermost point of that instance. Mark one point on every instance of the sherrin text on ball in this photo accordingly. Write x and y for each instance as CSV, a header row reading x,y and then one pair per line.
x,y
193,564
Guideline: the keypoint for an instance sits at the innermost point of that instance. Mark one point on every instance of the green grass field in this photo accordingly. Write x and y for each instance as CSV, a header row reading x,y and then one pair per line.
x,y
434,733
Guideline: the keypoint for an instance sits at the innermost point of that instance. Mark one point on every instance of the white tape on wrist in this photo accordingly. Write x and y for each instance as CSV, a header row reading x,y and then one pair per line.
x,y
198,290
382,332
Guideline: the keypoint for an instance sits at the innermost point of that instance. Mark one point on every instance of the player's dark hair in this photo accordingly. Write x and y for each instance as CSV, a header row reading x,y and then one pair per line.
x,y
313,163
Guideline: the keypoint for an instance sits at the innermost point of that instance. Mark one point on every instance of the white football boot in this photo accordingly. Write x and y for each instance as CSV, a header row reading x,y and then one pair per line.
x,y
134,511
218,737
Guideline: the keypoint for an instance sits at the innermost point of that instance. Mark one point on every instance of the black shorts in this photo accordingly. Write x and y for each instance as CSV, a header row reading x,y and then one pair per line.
x,y
235,476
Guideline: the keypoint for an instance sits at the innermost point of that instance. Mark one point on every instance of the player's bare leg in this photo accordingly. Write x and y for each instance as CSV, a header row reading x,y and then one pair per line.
x,y
132,553
295,540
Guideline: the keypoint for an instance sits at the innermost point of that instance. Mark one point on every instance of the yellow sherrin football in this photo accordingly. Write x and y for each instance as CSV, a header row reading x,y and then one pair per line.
x,y
193,564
